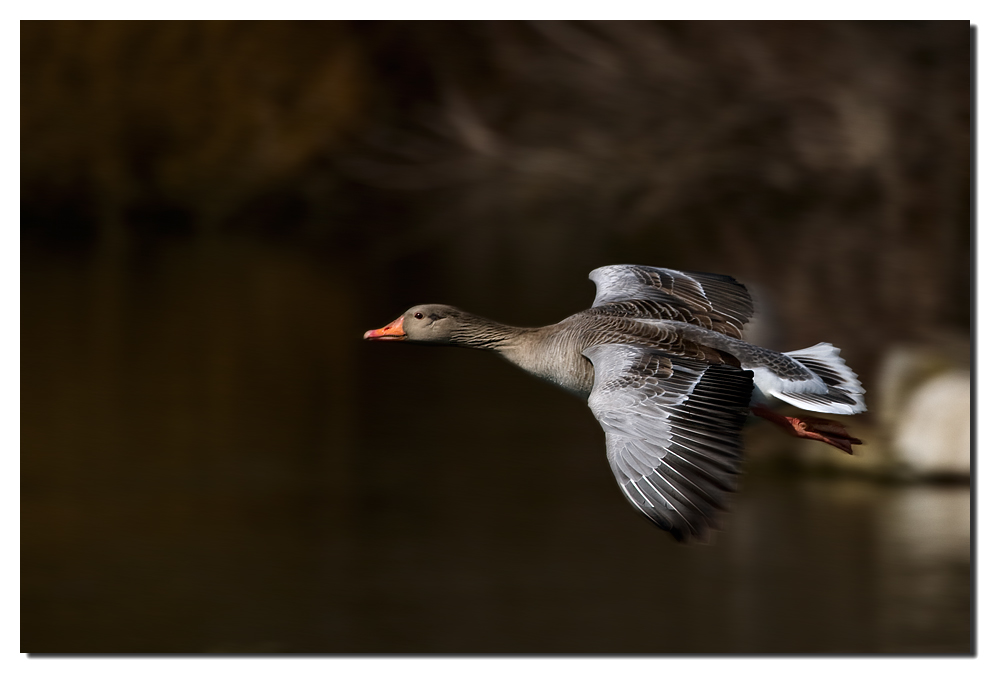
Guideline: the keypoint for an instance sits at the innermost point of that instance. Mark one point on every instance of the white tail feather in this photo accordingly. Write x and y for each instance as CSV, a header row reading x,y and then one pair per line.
x,y
845,392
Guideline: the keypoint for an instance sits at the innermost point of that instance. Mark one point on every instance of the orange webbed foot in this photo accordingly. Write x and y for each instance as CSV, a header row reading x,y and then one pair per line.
x,y
808,427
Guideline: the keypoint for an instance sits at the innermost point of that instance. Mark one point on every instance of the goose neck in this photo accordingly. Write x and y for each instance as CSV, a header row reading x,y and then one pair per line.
x,y
483,334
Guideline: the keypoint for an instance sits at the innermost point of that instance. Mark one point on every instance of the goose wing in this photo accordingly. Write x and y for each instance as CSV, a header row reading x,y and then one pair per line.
x,y
673,431
709,300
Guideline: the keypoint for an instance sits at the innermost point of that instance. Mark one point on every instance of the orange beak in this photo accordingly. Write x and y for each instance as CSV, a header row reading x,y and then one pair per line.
x,y
391,332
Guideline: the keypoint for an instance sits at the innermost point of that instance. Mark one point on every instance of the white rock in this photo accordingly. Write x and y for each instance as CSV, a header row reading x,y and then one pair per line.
x,y
932,433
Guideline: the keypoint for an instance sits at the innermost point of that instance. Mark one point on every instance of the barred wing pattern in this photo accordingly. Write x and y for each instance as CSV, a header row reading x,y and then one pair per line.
x,y
709,300
672,429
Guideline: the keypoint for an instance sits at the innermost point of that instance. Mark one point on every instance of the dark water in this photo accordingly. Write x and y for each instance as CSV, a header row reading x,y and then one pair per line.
x,y
213,461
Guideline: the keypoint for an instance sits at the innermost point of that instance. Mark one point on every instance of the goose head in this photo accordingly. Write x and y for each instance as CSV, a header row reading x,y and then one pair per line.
x,y
426,323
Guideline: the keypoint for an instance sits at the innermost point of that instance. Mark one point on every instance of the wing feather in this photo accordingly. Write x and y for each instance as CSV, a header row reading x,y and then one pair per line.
x,y
673,431
709,300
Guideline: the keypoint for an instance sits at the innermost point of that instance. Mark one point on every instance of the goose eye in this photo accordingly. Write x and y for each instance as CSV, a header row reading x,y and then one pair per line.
x,y
418,315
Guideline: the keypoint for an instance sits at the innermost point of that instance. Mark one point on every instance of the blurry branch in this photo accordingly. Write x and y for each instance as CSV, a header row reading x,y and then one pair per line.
x,y
826,161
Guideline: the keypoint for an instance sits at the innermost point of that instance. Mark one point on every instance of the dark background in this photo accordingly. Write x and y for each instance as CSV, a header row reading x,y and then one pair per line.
x,y
212,213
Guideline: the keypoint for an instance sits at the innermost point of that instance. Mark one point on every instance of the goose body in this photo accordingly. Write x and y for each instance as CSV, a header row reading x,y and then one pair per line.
x,y
660,358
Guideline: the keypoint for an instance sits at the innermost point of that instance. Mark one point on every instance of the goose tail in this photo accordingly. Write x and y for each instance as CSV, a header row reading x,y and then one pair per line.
x,y
845,393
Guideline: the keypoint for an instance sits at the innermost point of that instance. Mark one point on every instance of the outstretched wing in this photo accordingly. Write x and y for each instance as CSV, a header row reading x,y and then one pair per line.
x,y
672,429
714,302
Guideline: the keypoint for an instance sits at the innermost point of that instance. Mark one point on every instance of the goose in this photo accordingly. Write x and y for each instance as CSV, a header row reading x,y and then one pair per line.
x,y
661,361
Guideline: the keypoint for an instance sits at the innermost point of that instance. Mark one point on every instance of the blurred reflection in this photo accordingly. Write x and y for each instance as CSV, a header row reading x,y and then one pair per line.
x,y
214,462
925,541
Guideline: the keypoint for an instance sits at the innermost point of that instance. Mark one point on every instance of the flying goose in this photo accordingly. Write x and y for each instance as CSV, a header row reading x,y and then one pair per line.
x,y
660,358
